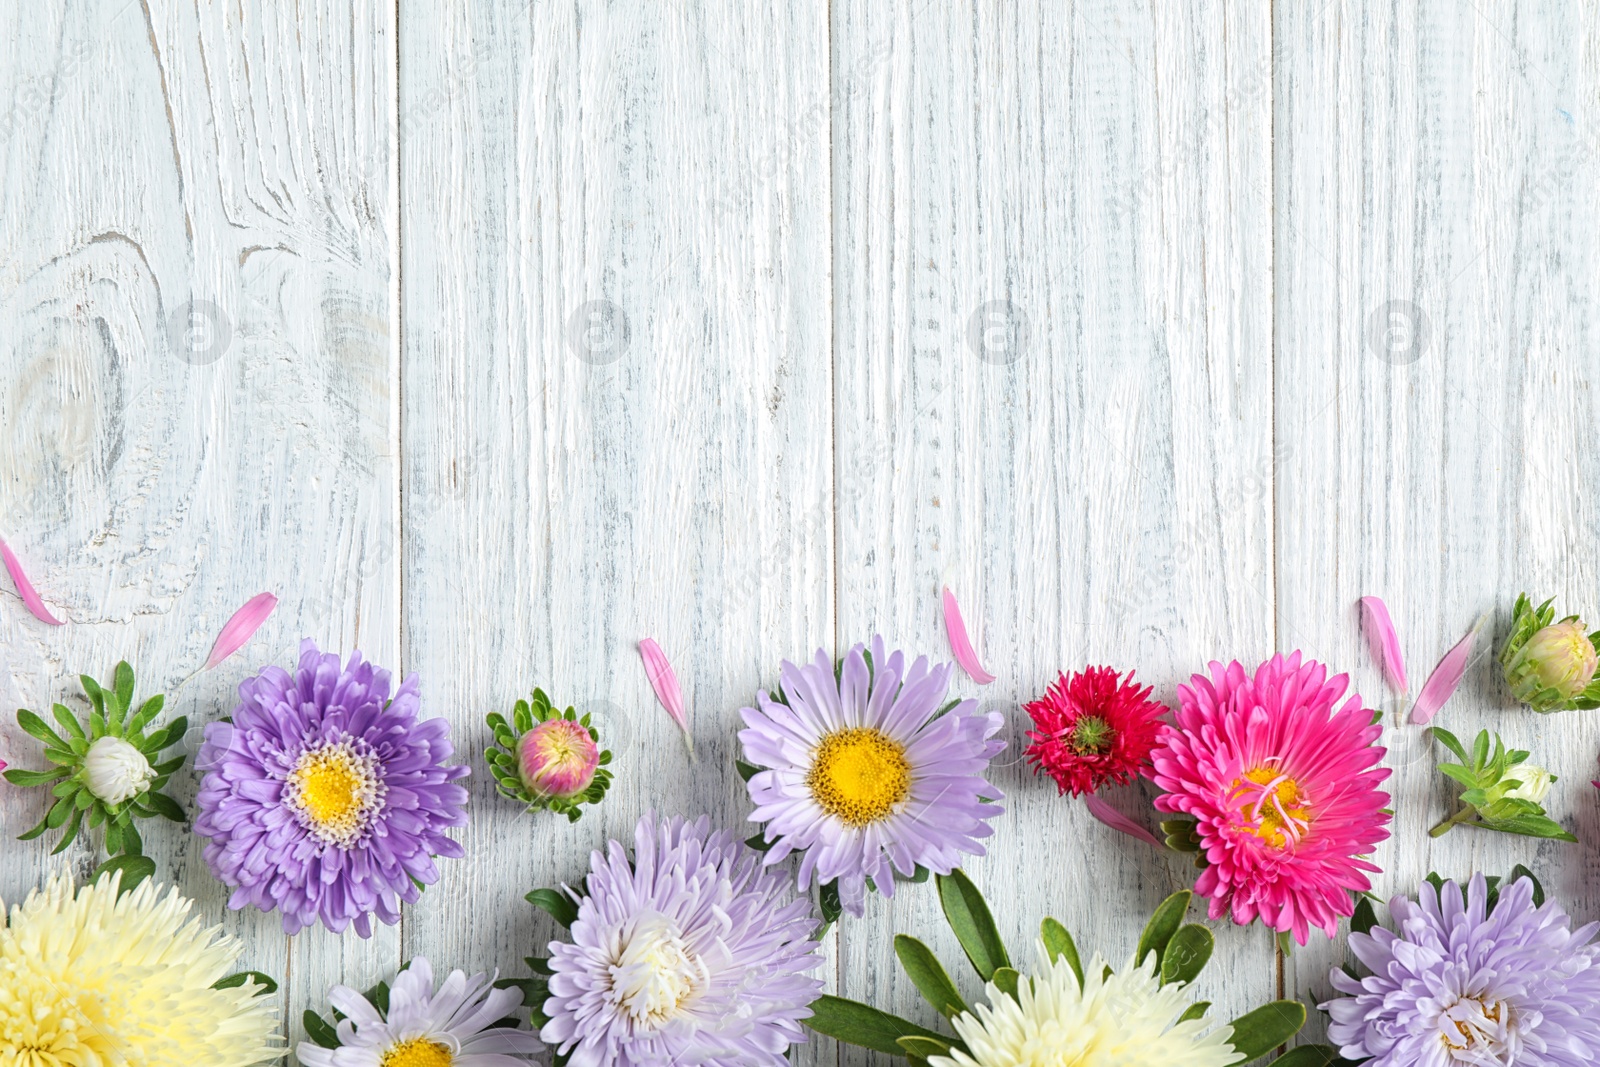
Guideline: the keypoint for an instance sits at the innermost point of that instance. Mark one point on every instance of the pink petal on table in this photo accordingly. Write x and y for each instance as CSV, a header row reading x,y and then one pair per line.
x,y
664,680
1385,643
30,595
1441,684
960,644
1113,818
239,629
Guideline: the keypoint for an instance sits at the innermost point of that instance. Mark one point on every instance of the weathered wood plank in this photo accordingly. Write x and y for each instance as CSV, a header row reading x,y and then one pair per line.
x,y
1053,330
1436,336
617,401
165,162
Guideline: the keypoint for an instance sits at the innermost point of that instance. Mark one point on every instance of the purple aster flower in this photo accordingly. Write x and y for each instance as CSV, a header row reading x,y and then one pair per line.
x,y
1466,983
325,797
867,767
688,953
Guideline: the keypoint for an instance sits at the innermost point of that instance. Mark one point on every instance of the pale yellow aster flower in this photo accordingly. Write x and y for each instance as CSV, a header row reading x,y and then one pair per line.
x,y
91,980
1125,1019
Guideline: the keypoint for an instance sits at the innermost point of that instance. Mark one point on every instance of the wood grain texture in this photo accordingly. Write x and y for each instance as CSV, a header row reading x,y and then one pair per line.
x,y
163,161
1436,324
1052,346
617,403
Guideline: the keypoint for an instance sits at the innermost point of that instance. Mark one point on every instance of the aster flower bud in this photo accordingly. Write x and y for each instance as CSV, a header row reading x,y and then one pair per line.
x,y
1536,783
1550,665
1503,791
115,771
557,759
547,758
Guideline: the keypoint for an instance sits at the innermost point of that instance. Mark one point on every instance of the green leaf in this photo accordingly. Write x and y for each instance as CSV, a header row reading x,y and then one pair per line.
x,y
56,817
167,736
69,722
1364,917
1258,1032
318,1030
264,983
71,833
1480,749
37,728
857,1024
1460,774
968,915
1309,1056
1162,925
1058,942
1007,979
96,695
747,771
32,778
1187,954
1197,1010
925,1047
147,713
929,976
122,679
561,907
828,902
135,869
165,807
1449,740
1532,826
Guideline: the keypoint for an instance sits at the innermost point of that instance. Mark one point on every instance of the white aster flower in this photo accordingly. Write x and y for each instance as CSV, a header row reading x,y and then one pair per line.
x,y
1536,782
1126,1019
115,770
454,1027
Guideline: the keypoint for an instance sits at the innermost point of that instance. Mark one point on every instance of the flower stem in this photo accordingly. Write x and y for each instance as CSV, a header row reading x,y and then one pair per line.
x,y
1459,817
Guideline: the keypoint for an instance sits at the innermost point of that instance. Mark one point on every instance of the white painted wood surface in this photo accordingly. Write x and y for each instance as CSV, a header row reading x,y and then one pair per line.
x,y
532,329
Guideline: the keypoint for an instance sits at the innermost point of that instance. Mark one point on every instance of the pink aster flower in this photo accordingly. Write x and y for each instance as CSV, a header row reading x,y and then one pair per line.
x,y
1283,788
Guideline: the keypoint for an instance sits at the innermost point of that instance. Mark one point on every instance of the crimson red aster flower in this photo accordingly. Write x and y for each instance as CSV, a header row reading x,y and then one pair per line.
x,y
1093,728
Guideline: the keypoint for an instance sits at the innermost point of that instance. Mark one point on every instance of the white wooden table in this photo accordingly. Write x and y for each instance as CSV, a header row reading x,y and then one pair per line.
x,y
493,337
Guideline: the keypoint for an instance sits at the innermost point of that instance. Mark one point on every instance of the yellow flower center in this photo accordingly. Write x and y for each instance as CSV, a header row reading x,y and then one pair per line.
x,y
418,1052
1275,805
859,775
336,792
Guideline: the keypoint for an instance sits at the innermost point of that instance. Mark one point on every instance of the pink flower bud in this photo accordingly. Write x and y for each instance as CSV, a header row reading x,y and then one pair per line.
x,y
557,759
1558,660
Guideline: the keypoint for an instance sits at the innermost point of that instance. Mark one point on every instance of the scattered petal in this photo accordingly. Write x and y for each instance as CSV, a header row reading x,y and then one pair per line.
x,y
1385,643
960,644
239,629
30,595
1113,818
664,680
1441,684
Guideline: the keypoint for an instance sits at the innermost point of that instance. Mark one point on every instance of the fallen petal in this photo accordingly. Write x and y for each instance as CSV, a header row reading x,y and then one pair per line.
x,y
1441,684
1113,818
30,595
1385,643
239,629
664,680
960,644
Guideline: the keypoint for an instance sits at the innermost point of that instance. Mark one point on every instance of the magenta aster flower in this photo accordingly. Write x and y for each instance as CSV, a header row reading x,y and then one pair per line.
x,y
1467,980
1283,789
325,797
1093,728
686,953
867,772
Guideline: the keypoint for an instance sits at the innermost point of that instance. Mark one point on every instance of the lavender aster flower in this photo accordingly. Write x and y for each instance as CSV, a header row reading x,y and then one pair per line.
x,y
1466,983
325,797
867,769
690,953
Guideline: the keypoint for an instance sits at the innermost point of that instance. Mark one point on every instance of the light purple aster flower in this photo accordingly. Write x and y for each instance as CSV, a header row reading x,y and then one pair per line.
x,y
325,797
867,771
1461,983
690,953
